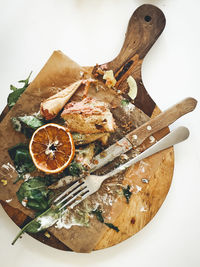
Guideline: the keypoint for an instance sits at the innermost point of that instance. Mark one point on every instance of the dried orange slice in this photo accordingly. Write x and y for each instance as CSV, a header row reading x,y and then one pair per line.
x,y
51,148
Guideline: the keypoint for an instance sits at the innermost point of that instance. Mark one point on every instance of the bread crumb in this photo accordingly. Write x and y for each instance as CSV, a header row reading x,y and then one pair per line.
x,y
132,87
47,234
109,77
4,182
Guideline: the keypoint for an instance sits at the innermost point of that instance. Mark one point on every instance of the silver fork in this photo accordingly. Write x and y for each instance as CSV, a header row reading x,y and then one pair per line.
x,y
90,184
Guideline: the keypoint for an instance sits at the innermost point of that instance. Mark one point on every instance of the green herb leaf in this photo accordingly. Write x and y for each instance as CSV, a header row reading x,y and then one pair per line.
x,y
74,169
98,148
14,96
112,226
21,158
19,177
36,193
50,216
98,214
26,124
127,193
31,121
124,102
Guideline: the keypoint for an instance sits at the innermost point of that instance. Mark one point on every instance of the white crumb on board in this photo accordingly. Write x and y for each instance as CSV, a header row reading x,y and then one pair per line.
x,y
152,139
8,200
143,209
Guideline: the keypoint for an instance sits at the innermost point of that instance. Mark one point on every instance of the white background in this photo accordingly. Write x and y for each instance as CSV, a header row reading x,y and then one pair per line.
x,y
90,32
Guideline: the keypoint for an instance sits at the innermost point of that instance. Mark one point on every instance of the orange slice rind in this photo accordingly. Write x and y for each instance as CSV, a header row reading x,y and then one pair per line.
x,y
51,148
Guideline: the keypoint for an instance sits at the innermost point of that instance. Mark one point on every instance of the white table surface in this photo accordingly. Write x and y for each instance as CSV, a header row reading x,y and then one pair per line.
x,y
90,32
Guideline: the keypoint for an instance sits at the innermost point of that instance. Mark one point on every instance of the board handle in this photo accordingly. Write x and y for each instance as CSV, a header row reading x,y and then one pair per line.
x,y
144,27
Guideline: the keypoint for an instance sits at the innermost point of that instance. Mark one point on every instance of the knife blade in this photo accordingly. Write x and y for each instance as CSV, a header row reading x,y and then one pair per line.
x,y
137,136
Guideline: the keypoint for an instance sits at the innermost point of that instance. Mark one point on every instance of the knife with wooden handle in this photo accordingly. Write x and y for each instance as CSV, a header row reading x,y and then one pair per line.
x,y
137,136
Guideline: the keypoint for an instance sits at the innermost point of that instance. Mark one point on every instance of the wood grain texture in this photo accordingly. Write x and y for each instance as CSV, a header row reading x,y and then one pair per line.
x,y
164,119
145,26
146,198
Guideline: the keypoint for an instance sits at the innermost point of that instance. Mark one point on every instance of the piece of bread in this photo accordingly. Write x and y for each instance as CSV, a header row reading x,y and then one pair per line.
x,y
50,107
88,116
83,139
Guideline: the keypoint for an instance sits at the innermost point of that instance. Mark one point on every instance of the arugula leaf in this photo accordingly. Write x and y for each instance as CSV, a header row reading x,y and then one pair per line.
x,y
14,96
21,158
74,169
36,193
99,216
19,177
41,222
124,102
127,193
31,121
26,124
112,226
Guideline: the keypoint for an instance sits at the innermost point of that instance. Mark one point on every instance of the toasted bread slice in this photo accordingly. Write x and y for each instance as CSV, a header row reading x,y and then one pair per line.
x,y
88,116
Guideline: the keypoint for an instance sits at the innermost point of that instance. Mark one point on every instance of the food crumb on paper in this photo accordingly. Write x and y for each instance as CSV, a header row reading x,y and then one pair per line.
x,y
135,136
109,77
8,200
47,234
4,182
143,209
145,181
152,139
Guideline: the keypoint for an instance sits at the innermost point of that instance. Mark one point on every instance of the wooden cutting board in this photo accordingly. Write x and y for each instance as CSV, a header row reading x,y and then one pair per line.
x,y
145,26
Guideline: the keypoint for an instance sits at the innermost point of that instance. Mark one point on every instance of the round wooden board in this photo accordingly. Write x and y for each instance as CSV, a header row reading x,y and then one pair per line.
x,y
145,26
143,205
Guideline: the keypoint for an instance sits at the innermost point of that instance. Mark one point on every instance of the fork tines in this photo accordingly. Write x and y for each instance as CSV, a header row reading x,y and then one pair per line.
x,y
73,195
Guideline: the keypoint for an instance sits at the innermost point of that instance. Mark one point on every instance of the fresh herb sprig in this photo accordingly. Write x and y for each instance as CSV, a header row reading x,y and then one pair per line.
x,y
35,225
26,124
127,193
14,96
99,216
36,193
21,158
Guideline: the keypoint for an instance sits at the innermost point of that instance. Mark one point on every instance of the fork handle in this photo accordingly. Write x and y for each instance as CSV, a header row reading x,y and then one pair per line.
x,y
175,137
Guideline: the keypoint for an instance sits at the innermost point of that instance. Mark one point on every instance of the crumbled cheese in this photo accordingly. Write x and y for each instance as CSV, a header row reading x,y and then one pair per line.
x,y
24,202
143,209
4,182
26,177
8,167
151,139
47,234
124,157
149,128
109,77
8,200
81,73
139,188
144,180
135,136
61,223
132,87
46,221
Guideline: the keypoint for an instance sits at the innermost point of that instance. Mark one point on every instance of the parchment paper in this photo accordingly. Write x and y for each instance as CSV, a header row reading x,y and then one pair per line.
x,y
58,72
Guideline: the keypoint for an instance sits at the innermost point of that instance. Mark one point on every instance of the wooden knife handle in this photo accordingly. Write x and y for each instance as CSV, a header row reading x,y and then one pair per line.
x,y
144,28
164,119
